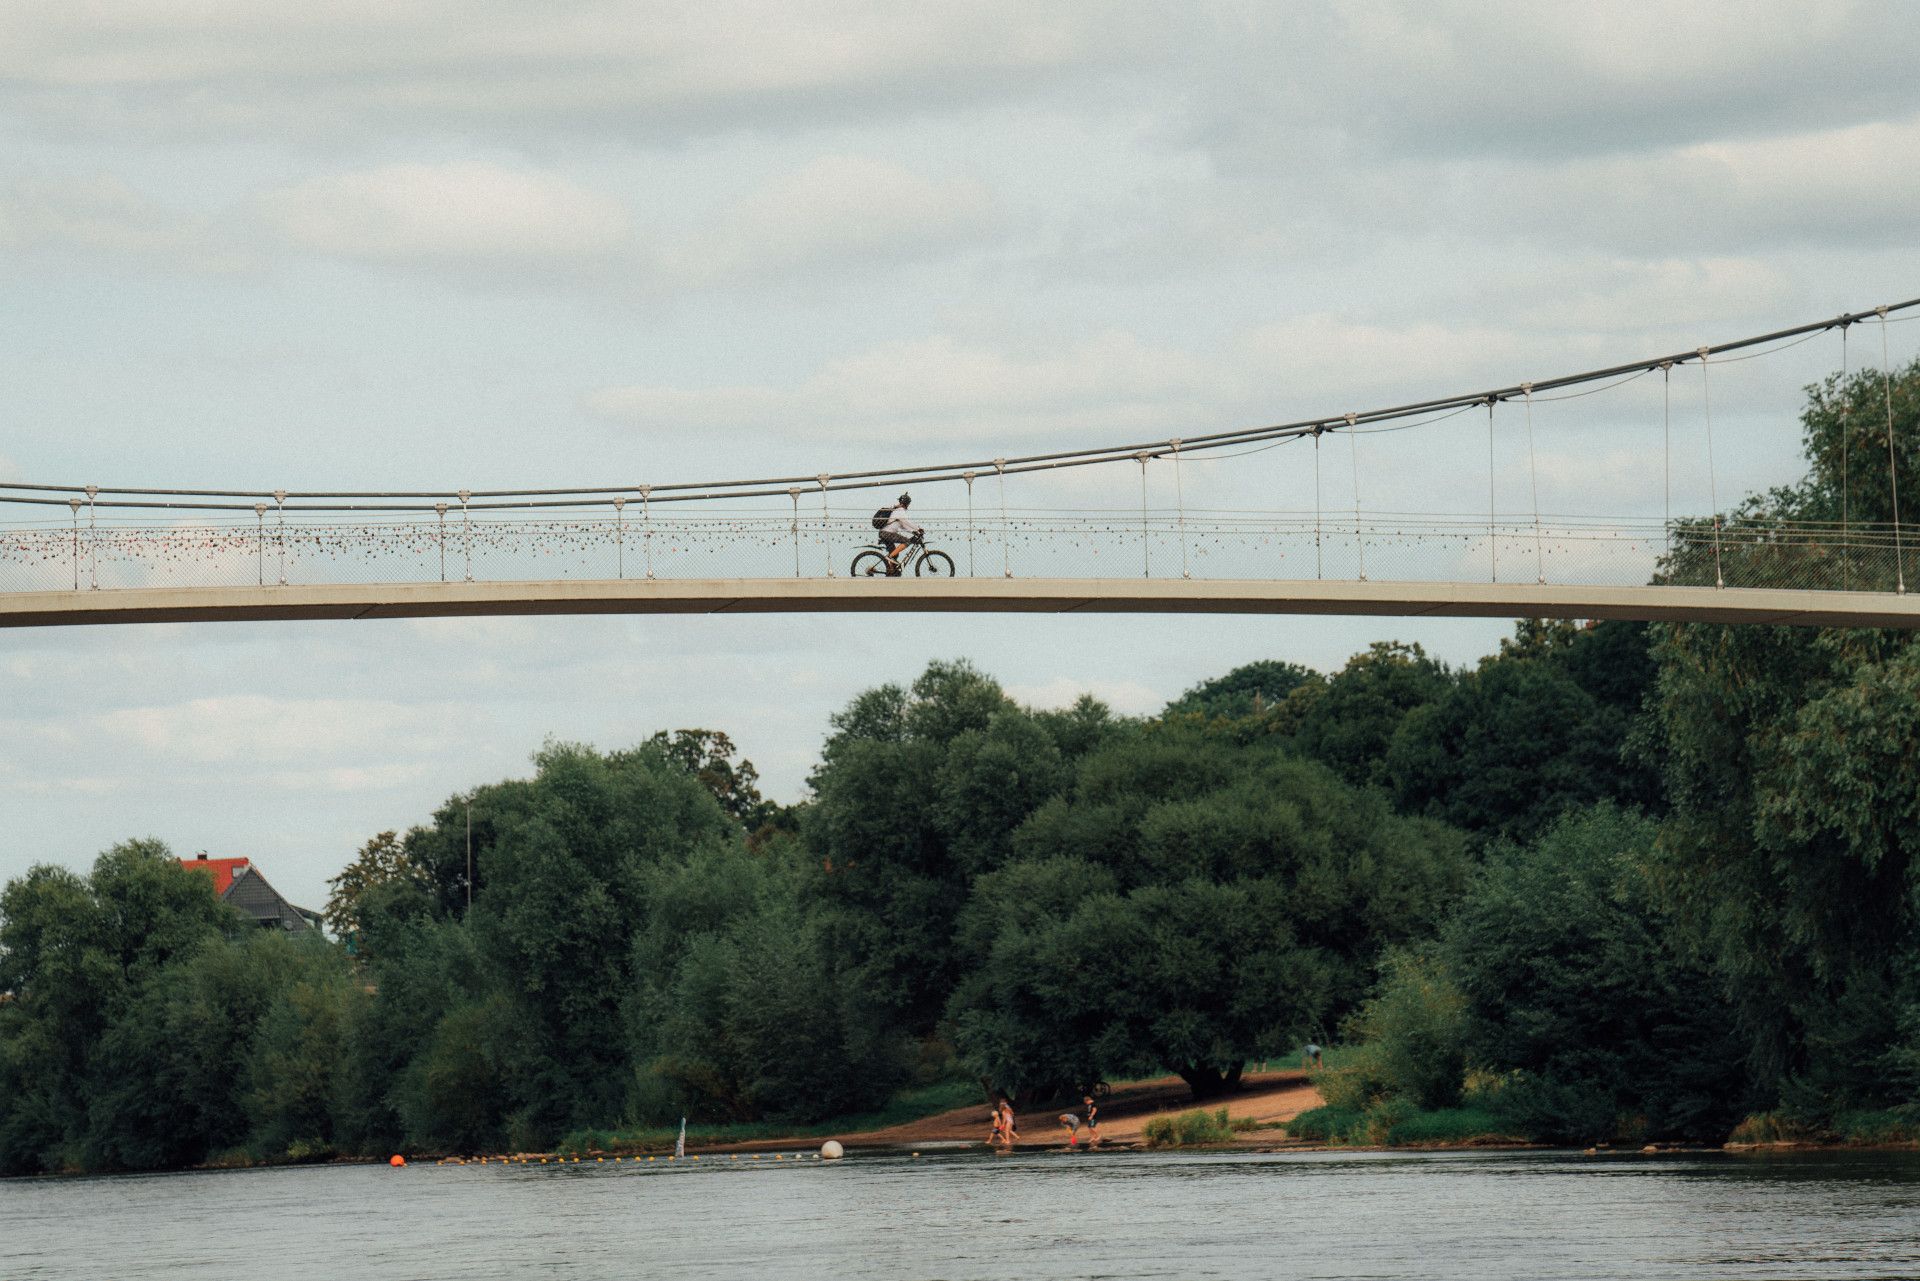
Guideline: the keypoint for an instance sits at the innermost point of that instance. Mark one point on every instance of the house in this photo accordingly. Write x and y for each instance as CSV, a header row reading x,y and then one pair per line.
x,y
238,882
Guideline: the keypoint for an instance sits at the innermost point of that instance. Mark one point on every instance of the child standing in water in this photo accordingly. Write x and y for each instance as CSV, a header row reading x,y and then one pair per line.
x,y
1093,1121
1009,1134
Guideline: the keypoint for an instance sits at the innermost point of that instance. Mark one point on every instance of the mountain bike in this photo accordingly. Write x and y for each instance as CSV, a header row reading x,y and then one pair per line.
x,y
926,562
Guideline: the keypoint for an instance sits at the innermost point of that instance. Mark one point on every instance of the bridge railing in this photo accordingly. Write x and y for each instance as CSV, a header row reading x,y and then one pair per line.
x,y
1409,547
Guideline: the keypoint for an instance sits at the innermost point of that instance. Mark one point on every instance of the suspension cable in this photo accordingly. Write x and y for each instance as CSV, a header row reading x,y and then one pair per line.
x,y
1006,554
1493,539
765,487
1846,399
1893,469
1146,548
1318,571
1180,508
1533,479
1353,456
1713,492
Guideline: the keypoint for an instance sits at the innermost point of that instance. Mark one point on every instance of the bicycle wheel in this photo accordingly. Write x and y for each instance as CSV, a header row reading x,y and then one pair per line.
x,y
933,565
869,564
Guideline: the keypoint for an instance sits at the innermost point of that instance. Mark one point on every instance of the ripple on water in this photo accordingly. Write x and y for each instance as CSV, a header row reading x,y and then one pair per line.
x,y
1476,1216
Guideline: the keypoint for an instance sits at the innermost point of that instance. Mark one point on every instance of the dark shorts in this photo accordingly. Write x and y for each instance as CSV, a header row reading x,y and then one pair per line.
x,y
893,540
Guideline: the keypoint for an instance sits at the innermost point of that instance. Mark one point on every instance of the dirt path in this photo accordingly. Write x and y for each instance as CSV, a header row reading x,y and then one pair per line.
x,y
1266,1097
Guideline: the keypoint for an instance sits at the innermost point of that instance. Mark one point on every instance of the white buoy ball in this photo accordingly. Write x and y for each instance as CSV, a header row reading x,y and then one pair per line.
x,y
832,1150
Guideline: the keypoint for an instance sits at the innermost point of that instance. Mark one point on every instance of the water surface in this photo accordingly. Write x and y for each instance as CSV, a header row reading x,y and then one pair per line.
x,y
962,1215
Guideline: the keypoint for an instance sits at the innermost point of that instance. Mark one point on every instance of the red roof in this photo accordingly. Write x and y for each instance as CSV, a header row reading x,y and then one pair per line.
x,y
222,869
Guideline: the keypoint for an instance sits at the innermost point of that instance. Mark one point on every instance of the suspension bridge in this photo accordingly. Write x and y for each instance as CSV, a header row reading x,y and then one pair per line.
x,y
1211,540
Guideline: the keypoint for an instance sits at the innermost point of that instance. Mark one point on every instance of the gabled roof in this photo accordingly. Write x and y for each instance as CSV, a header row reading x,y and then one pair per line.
x,y
238,882
223,870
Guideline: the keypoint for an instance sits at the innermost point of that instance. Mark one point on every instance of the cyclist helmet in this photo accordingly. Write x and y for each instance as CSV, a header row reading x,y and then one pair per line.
x,y
906,500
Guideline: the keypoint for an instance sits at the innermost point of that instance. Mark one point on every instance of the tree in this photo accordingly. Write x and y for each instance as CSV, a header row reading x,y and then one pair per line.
x,y
1349,724
1788,756
1536,731
1250,690
917,790
1191,903
76,954
708,756
1578,991
383,877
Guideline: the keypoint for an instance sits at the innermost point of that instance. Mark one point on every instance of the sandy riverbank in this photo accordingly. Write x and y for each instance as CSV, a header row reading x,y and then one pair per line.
x,y
1266,1097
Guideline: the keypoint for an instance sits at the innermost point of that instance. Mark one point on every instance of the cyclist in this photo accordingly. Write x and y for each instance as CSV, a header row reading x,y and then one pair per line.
x,y
897,533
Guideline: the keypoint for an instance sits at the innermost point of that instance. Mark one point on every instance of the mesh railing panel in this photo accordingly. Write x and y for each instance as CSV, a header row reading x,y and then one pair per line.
x,y
1257,546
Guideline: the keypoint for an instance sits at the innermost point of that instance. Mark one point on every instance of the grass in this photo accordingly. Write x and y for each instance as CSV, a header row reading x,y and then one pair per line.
x,y
1326,1124
1448,1125
1887,1126
1398,1124
907,1105
1198,1128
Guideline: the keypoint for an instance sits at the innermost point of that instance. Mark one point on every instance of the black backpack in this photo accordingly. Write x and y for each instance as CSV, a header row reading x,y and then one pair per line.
x,y
882,517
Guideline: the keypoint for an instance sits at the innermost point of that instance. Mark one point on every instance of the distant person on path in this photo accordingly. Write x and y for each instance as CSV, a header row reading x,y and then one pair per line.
x,y
1310,1056
1093,1121
897,533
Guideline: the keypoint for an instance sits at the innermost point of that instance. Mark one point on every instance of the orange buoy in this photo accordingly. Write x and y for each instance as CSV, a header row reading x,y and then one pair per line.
x,y
396,1160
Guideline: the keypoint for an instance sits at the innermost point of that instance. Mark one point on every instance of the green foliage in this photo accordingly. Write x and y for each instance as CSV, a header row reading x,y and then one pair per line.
x,y
1331,1123
383,879
1790,759
1198,1128
1573,987
708,756
1449,1126
81,956
1413,1040
919,791
1535,732
1251,691
1350,726
1187,902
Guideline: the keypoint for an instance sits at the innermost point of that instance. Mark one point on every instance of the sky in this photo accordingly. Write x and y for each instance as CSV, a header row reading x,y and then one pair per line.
x,y
262,244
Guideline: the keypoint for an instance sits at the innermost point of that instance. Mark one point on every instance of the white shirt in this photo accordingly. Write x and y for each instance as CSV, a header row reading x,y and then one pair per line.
x,y
899,524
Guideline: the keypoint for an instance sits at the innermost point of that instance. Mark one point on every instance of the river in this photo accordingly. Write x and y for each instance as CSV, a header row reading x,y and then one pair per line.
x,y
966,1215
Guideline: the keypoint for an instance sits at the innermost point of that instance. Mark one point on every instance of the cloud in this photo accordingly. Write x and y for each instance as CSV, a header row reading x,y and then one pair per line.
x,y
1128,698
1461,78
835,209
454,213
255,729
940,388
101,216
584,67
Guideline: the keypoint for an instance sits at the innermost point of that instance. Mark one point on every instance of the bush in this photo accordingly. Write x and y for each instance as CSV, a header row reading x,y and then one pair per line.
x,y
1329,1124
1894,1125
1449,1125
1415,1032
1198,1128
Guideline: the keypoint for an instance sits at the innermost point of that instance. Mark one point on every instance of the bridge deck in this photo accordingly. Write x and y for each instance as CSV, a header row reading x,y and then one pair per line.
x,y
980,595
